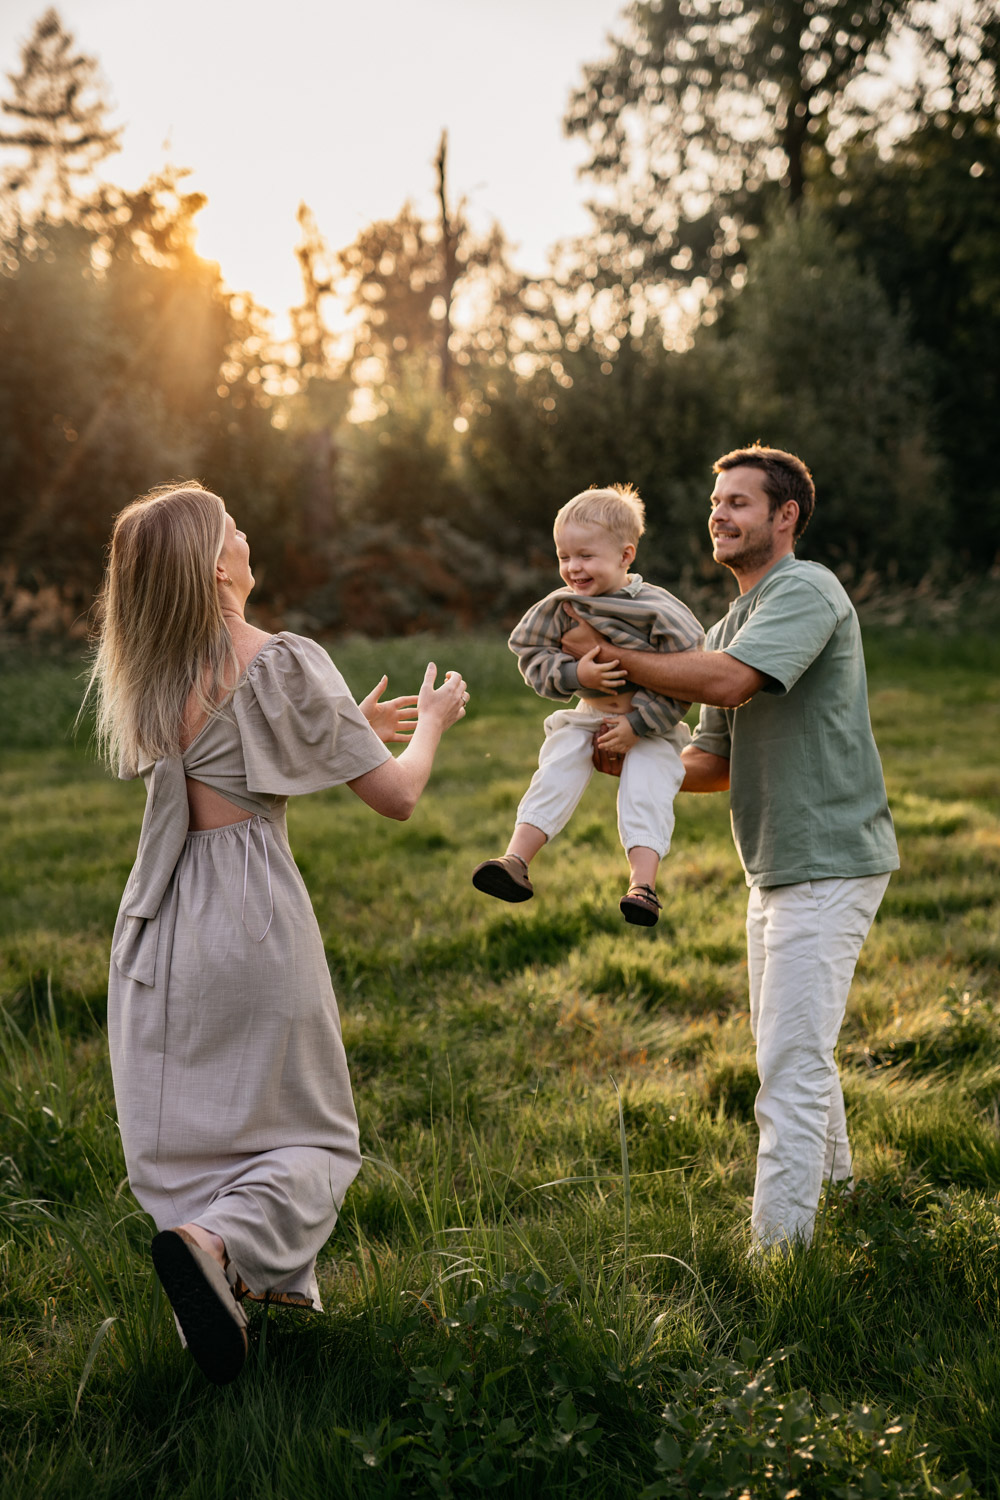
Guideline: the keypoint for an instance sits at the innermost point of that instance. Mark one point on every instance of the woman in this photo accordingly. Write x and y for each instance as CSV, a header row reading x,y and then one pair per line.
x,y
232,1089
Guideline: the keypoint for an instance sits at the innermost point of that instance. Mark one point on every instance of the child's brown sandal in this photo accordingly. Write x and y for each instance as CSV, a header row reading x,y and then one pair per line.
x,y
640,906
506,878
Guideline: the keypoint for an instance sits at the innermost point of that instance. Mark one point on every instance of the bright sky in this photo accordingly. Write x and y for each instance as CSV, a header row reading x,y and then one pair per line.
x,y
341,105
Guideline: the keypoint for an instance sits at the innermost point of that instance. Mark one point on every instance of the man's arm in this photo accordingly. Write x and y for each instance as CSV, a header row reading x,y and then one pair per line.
x,y
704,772
693,676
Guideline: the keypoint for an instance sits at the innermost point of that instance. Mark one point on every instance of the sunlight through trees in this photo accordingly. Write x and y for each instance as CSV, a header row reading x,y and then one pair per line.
x,y
794,237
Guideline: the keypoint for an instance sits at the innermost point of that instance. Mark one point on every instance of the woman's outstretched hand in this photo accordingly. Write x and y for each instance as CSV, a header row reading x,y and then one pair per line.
x,y
393,720
443,705
393,788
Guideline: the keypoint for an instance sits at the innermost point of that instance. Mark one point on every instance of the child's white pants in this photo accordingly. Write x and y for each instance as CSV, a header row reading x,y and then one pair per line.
x,y
651,775
803,943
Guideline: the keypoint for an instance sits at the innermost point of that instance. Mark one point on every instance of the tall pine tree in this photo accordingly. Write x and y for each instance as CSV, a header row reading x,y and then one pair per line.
x,y
56,122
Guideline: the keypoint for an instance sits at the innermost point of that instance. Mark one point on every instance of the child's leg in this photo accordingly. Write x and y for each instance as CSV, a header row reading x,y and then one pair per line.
x,y
525,842
639,904
565,766
651,775
643,864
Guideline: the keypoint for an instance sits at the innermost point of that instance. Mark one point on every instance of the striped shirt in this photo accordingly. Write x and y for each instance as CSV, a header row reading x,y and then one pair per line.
x,y
641,617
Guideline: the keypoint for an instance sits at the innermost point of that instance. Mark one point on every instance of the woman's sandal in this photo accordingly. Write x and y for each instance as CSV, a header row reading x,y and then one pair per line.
x,y
272,1299
640,906
506,878
212,1321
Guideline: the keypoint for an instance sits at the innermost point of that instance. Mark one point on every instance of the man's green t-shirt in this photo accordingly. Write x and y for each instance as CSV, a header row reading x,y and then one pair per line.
x,y
806,790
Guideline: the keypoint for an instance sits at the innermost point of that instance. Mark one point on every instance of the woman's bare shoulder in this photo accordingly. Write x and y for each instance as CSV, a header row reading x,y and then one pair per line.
x,y
247,641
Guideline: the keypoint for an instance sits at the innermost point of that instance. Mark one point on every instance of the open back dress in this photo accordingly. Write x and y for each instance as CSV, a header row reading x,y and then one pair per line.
x,y
230,1078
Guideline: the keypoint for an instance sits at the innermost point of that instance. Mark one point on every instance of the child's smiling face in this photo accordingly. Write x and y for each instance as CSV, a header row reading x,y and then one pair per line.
x,y
591,560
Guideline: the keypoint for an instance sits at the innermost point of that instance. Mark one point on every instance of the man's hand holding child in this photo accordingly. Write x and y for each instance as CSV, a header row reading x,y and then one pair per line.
x,y
581,636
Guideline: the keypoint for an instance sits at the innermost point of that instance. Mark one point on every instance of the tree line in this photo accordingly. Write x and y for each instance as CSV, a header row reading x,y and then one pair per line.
x,y
795,224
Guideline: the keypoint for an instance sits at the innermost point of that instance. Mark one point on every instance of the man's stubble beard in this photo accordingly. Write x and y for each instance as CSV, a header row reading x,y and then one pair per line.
x,y
758,550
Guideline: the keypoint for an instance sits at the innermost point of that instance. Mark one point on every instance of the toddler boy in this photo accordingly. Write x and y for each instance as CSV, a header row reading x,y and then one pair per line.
x,y
596,534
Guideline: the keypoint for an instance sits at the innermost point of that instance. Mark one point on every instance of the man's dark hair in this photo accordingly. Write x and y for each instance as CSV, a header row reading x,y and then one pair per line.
x,y
785,478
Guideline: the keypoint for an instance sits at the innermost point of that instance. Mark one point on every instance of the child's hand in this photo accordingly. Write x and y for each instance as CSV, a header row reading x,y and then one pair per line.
x,y
619,737
607,676
395,720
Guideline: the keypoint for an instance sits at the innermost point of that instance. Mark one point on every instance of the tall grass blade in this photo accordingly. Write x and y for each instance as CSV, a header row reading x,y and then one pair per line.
x,y
627,1200
98,1340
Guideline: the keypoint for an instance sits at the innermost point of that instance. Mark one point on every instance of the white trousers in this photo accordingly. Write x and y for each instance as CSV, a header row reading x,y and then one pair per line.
x,y
803,943
652,772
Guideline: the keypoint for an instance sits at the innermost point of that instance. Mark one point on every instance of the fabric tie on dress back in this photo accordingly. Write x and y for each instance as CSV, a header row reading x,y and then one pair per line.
x,y
164,829
246,872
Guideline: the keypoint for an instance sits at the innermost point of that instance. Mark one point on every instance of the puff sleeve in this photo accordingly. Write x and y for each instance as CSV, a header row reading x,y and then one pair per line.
x,y
301,729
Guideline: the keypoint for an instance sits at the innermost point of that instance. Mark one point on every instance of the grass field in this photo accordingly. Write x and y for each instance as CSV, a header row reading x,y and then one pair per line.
x,y
539,1284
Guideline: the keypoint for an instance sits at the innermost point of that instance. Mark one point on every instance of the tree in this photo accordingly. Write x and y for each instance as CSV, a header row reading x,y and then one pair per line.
x,y
450,227
651,416
704,114
309,330
404,464
433,293
927,223
125,363
917,201
823,366
317,410
955,75
59,105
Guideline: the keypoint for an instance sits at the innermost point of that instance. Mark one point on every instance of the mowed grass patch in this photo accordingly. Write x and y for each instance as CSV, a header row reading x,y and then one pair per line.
x,y
514,1301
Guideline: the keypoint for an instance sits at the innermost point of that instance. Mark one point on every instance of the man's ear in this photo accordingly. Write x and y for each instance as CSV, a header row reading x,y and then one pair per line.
x,y
788,516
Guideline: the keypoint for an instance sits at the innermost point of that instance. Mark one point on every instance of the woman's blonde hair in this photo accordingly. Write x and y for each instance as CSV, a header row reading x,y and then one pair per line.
x,y
162,634
619,509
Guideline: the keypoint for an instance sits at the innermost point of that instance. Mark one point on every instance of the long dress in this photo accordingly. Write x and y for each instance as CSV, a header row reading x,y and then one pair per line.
x,y
233,1095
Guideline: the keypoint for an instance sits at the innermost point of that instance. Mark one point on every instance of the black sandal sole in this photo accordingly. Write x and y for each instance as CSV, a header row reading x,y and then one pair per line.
x,y
638,913
494,880
215,1338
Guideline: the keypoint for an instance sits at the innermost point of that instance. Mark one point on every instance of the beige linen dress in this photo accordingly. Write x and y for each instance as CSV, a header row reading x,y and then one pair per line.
x,y
232,1088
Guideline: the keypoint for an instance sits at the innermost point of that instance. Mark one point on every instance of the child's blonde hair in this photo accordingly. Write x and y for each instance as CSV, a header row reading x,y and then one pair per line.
x,y
619,509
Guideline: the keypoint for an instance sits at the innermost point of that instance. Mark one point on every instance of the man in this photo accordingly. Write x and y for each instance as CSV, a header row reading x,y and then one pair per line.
x,y
784,728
